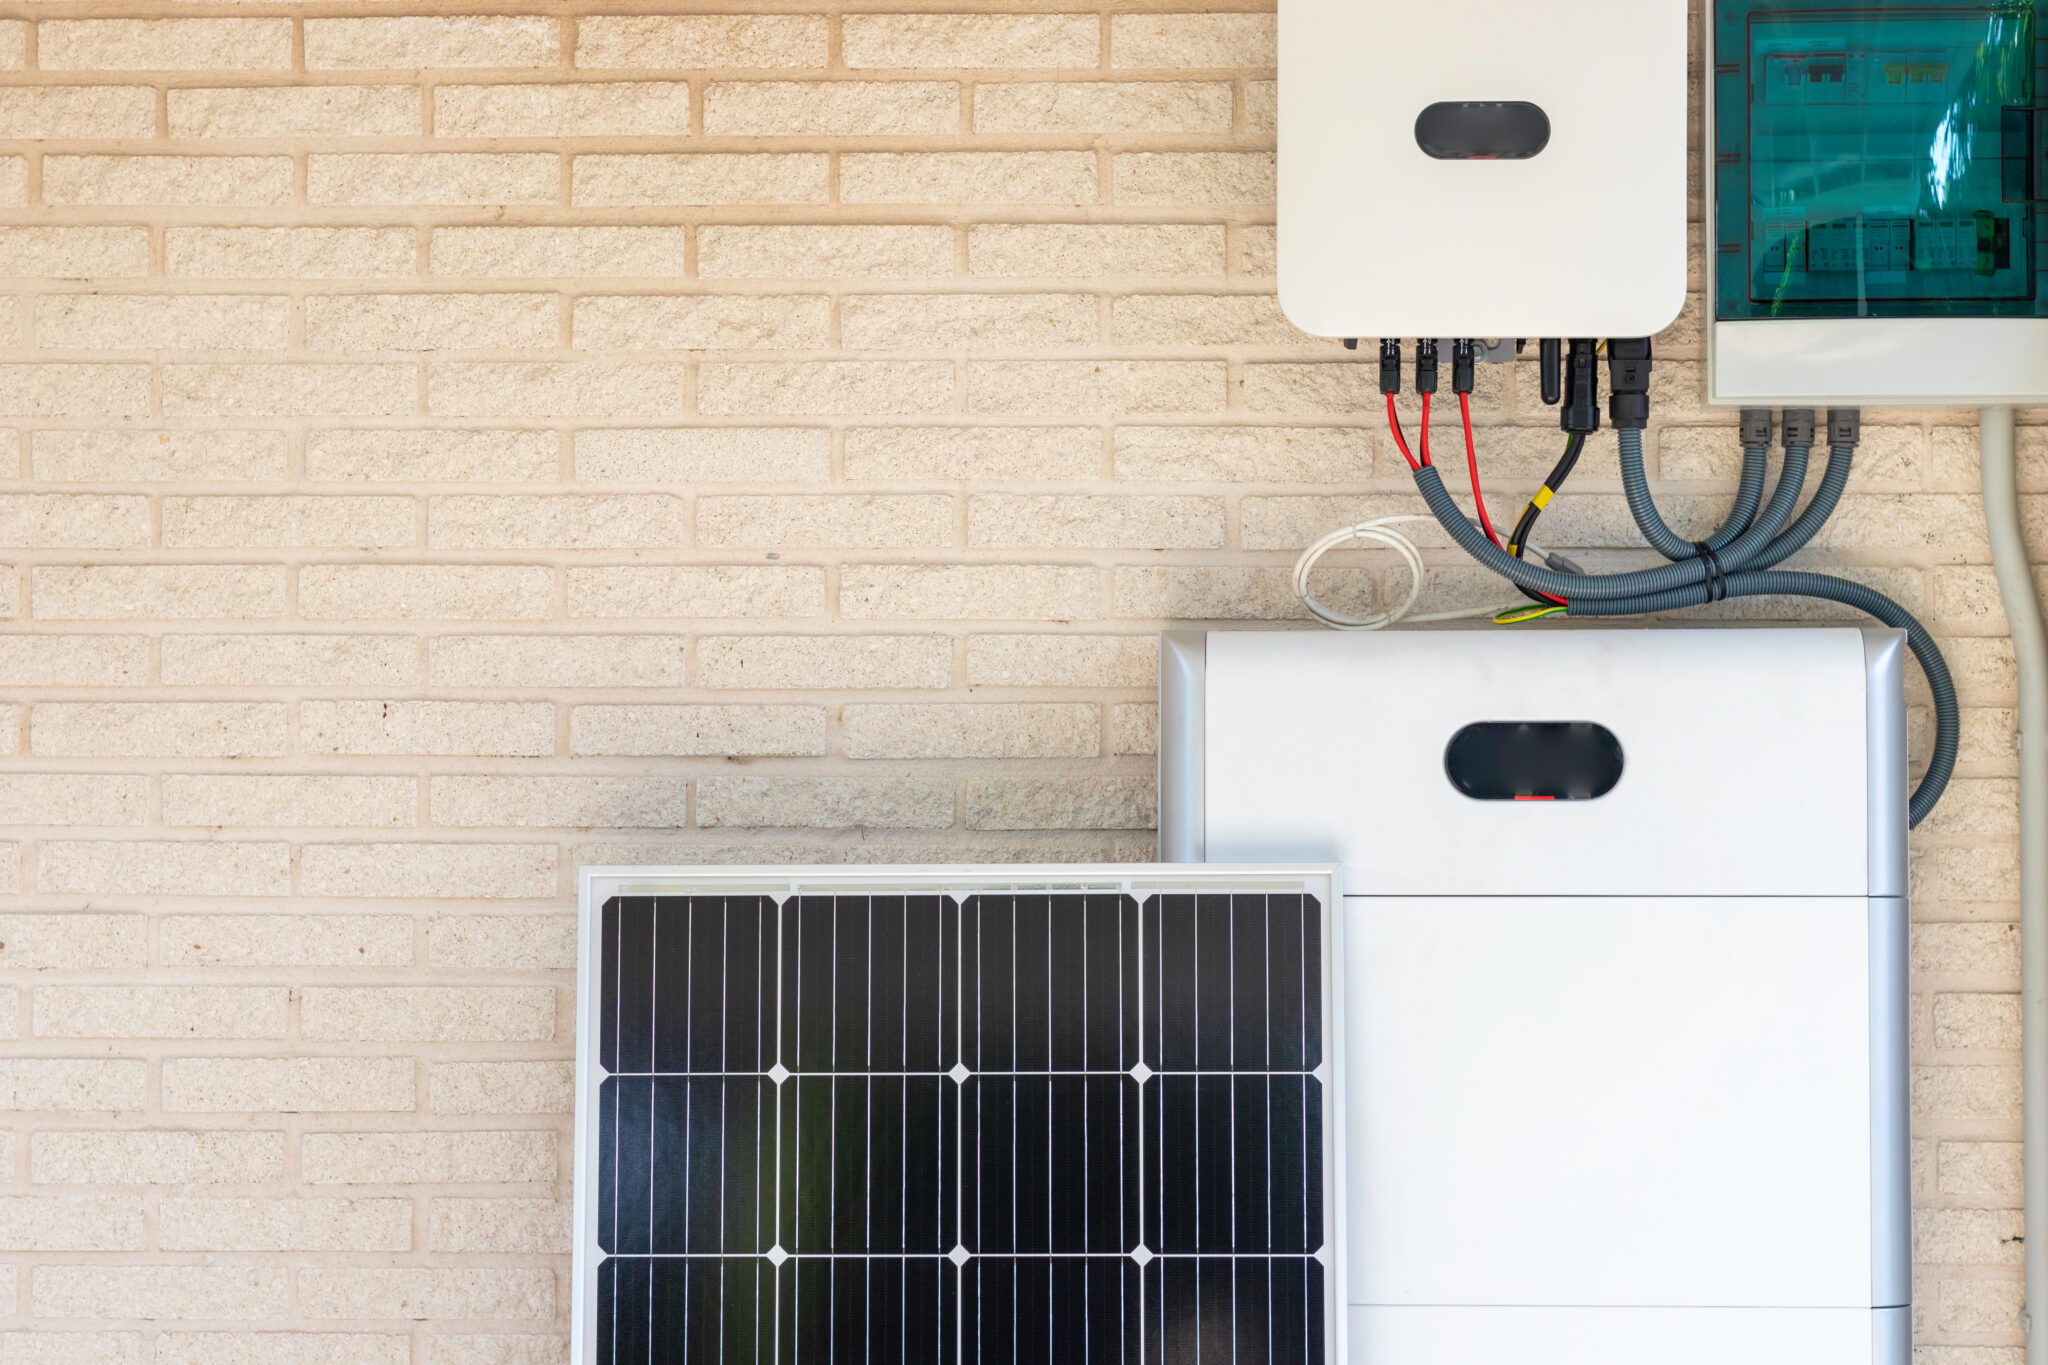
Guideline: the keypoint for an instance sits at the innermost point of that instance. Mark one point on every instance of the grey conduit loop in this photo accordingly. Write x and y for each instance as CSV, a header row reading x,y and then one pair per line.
x,y
1825,498
1635,483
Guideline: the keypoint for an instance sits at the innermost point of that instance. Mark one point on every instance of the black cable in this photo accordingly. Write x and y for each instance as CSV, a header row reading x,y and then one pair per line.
x,y
1518,541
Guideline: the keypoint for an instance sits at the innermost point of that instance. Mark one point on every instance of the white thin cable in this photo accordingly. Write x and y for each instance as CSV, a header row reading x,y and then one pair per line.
x,y
1380,530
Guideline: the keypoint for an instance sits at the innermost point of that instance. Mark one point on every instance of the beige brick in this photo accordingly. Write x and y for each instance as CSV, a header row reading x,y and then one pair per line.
x,y
174,729
1204,320
971,40
73,660
433,178
1061,803
608,389
824,661
511,521
73,799
825,387
1980,1169
142,1011
305,660
832,521
969,592
1090,249
216,522
237,1085
288,390
629,590
285,940
1965,1094
1968,1237
1018,730
434,1014
163,44
1245,454
1038,108
1967,950
1977,1021
512,729
1096,387
1079,521
281,1348
427,592
230,1293
156,1157
255,181
824,803
336,324
831,108
227,801
626,109
967,177
567,661
1979,874
700,178
906,321
296,111
1202,40
10,728
718,731
1129,661
106,867
701,40
77,111
418,41
501,1087
158,456
13,45
73,391
427,1292
533,1226
69,1223
288,253
559,802
1947,525
73,939
34,1084
463,1158
67,520
503,942
1134,728
242,322
703,455
1194,177
909,251
123,592
505,1348
1294,523
1262,106
432,456
1233,593
976,454
702,322
70,1348
558,252
75,253
468,871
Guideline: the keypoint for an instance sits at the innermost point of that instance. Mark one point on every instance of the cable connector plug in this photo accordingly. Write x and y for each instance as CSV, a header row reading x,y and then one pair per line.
x,y
1845,426
1464,364
1628,380
1797,432
1581,415
1756,426
1425,366
1390,367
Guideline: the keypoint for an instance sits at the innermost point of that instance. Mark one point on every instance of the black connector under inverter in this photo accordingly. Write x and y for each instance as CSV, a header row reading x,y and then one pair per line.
x,y
1628,382
1581,415
1390,367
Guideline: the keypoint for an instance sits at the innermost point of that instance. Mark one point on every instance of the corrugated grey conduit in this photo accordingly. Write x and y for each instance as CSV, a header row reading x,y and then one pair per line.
x,y
2030,651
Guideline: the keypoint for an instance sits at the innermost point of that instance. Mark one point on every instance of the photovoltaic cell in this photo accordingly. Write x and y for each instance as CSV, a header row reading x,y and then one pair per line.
x,y
993,1129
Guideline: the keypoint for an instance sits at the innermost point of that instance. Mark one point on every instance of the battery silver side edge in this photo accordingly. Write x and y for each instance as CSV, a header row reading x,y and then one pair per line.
x,y
1183,670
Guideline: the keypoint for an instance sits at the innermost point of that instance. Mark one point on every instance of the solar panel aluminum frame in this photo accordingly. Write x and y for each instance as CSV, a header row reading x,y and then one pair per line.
x,y
598,885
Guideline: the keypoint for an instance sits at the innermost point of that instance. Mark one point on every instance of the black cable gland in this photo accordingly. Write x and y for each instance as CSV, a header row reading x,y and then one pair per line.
x,y
1550,370
1425,366
1464,364
1756,426
1797,430
1390,367
1628,380
1845,426
1581,415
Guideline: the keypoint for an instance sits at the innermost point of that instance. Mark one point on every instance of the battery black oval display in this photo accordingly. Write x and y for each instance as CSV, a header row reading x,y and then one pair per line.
x,y
1534,760
1483,130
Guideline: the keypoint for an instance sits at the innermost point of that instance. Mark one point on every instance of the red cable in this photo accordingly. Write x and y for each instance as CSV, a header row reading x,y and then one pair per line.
x,y
1394,424
1472,463
1424,453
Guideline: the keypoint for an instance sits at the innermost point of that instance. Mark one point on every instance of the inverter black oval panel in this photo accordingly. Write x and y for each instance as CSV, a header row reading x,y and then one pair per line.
x,y
1534,760
1483,130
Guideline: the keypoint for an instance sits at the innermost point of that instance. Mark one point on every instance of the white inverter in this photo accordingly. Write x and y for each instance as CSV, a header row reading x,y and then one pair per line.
x,y
1624,928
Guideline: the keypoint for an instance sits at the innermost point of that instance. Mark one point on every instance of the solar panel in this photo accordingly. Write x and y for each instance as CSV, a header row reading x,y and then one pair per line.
x,y
954,1122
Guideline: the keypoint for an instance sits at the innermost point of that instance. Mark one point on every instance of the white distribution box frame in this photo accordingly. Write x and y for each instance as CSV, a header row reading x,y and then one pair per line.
x,y
1627,1077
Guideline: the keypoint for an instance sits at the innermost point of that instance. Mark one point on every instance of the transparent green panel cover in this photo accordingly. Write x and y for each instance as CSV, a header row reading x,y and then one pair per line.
x,y
1878,161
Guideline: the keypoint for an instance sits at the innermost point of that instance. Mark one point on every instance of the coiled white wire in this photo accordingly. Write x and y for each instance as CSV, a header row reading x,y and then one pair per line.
x,y
1379,530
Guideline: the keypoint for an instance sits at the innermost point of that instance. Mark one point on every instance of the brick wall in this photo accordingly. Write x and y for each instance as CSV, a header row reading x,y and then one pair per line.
x,y
445,449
